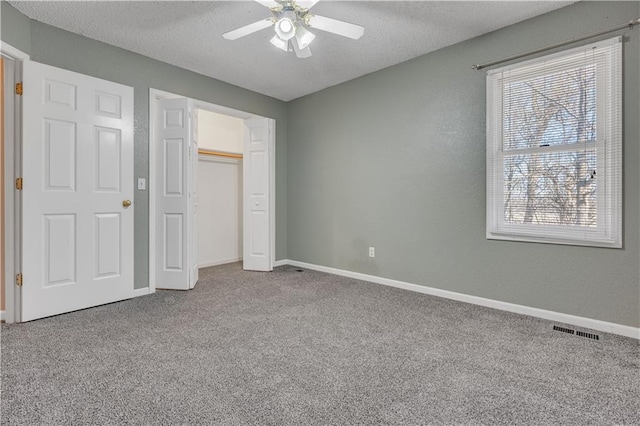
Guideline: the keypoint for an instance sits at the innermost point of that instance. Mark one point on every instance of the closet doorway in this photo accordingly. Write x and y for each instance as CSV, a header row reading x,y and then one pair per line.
x,y
178,221
219,179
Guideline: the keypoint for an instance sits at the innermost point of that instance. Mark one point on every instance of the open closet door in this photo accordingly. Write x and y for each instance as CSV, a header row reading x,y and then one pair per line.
x,y
193,203
257,184
77,211
175,224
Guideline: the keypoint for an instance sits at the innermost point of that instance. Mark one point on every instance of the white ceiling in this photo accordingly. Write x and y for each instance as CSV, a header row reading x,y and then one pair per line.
x,y
189,35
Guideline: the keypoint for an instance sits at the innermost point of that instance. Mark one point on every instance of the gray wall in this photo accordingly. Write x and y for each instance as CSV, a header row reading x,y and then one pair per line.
x,y
53,46
15,28
396,160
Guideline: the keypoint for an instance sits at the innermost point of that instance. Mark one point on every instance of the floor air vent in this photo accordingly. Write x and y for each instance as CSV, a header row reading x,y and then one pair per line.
x,y
564,330
587,335
577,333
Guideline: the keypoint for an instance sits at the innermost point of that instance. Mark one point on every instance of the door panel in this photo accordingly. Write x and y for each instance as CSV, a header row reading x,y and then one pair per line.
x,y
257,238
108,104
60,241
108,242
173,167
60,95
107,159
258,235
174,238
174,134
60,155
77,171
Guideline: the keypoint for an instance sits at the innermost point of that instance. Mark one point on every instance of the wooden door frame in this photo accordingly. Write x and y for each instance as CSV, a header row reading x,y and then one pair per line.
x,y
154,96
12,169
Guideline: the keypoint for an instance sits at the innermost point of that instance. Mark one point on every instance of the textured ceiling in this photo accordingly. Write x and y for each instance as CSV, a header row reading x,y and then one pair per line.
x,y
189,35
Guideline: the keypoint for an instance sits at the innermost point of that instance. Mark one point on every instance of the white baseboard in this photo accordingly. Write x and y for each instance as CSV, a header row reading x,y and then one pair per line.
x,y
141,292
219,262
1,315
594,324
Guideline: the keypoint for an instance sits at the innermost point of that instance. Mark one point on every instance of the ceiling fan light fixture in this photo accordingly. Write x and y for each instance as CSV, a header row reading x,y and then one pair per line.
x,y
304,37
285,29
279,43
291,21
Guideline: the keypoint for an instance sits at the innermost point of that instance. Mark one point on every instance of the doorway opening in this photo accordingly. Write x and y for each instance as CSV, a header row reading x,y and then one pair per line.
x,y
248,213
219,179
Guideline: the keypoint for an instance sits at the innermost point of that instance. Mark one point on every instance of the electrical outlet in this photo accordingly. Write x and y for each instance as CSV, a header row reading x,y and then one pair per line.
x,y
372,252
142,184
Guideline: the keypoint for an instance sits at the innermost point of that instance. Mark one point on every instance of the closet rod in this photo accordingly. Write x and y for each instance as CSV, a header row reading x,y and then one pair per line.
x,y
219,153
629,25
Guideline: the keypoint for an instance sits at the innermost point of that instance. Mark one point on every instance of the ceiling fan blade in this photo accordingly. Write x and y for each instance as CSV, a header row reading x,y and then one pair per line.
x,y
300,53
337,27
269,3
306,4
248,29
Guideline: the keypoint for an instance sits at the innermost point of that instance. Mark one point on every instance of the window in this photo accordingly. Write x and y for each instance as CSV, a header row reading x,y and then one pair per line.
x,y
554,148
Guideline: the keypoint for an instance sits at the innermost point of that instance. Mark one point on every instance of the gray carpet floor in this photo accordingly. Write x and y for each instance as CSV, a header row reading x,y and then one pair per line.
x,y
308,348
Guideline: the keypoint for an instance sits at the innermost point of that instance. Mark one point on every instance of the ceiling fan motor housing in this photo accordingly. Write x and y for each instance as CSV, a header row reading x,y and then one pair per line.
x,y
286,25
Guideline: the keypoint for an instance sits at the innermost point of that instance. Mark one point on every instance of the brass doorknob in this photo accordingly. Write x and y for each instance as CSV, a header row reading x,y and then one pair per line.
x,y
126,203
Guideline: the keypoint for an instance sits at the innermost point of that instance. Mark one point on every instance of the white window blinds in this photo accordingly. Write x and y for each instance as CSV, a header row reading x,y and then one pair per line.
x,y
554,148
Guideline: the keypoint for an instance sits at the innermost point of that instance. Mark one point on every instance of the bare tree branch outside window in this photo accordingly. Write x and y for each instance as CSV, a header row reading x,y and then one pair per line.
x,y
544,183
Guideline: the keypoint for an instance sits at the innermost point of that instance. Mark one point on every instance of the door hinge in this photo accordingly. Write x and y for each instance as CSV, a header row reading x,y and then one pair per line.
x,y
19,280
19,88
19,184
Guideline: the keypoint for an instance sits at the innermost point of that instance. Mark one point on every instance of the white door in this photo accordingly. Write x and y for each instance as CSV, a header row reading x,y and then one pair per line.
x,y
176,222
257,184
193,203
77,223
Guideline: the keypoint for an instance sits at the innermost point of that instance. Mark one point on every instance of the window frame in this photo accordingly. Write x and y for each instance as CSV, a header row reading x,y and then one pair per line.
x,y
608,146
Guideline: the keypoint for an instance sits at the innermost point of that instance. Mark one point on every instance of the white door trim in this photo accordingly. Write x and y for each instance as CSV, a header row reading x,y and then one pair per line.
x,y
13,141
11,51
154,95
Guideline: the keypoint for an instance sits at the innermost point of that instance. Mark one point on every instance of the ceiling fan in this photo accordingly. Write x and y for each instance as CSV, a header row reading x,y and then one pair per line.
x,y
291,20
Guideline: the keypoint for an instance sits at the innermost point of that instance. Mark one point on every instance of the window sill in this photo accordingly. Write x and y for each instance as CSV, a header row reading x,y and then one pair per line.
x,y
616,244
